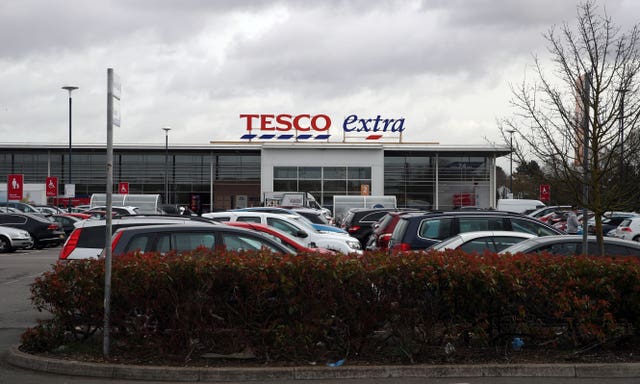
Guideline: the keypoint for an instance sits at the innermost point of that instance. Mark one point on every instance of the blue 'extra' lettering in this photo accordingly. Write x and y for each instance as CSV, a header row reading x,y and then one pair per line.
x,y
353,124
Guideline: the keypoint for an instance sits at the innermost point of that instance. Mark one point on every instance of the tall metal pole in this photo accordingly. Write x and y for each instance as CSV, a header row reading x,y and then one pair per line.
x,y
70,89
166,169
511,161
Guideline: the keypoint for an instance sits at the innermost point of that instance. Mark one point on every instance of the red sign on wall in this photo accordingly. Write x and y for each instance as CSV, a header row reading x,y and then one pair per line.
x,y
14,187
545,192
123,188
51,186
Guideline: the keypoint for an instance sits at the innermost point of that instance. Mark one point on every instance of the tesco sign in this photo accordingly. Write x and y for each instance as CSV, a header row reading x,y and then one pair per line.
x,y
307,126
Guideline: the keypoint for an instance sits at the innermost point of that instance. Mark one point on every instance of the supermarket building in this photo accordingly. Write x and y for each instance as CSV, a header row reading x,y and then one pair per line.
x,y
223,175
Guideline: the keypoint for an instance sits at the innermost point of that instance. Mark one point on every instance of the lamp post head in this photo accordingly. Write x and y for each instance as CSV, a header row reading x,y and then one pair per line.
x,y
166,130
69,88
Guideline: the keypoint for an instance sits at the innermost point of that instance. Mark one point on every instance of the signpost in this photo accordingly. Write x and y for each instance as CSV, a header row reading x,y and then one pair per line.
x,y
545,192
123,188
15,187
51,186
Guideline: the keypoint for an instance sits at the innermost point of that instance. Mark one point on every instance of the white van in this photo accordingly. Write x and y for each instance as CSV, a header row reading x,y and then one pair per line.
x,y
519,205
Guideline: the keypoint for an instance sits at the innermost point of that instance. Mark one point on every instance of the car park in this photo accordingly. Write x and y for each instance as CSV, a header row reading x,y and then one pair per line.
x,y
568,245
417,231
295,226
629,229
43,231
278,236
187,237
14,238
88,239
480,241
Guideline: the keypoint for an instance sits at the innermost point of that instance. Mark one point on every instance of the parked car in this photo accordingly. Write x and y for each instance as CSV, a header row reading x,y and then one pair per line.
x,y
48,210
420,231
43,231
296,226
120,210
14,238
383,228
88,239
540,212
608,224
572,245
22,207
325,227
66,221
480,241
629,229
278,236
187,237
358,222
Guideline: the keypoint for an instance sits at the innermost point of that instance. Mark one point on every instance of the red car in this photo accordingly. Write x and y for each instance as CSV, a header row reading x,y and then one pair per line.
x,y
382,230
279,236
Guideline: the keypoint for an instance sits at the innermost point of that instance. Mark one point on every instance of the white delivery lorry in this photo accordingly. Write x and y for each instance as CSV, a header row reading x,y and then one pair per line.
x,y
294,200
519,205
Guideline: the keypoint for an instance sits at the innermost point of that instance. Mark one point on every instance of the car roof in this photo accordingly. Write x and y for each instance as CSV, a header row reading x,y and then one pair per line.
x,y
556,239
168,219
476,234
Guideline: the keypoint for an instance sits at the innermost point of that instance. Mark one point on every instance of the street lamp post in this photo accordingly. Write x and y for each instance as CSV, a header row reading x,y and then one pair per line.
x,y
166,170
511,160
70,89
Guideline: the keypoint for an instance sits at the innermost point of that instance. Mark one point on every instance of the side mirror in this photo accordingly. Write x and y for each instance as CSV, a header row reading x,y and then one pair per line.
x,y
313,245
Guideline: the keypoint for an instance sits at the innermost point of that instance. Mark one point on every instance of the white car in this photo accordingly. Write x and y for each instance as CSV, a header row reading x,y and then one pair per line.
x,y
480,241
295,226
14,238
629,229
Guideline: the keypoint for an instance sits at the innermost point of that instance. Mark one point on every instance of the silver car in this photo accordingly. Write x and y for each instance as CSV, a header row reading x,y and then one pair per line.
x,y
14,238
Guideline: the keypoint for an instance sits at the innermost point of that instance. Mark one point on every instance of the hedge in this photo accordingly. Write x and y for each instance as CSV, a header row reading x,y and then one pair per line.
x,y
314,307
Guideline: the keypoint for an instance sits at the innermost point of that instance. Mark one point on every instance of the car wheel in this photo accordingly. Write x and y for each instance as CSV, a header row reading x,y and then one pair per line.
x,y
38,245
637,238
5,246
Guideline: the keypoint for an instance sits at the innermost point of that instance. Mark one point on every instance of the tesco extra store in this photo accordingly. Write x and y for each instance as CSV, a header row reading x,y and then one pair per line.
x,y
368,156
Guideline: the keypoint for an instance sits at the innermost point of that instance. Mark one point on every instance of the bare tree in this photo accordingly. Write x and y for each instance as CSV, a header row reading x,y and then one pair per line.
x,y
594,73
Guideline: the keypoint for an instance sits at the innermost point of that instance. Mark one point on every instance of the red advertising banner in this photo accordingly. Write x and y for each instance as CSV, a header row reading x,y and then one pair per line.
x,y
545,192
123,188
51,186
14,187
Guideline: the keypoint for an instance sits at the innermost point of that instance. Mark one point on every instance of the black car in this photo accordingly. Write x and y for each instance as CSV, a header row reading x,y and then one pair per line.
x,y
420,231
187,237
43,231
359,222
67,222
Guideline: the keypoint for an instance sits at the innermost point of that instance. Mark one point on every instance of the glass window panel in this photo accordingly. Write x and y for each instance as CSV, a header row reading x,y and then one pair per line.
x,y
336,186
310,186
285,185
285,172
310,172
339,173
359,172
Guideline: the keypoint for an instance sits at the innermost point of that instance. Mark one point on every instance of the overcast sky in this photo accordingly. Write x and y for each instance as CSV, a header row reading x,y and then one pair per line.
x,y
445,66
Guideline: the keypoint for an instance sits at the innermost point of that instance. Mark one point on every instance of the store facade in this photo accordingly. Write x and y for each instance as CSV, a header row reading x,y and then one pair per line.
x,y
224,175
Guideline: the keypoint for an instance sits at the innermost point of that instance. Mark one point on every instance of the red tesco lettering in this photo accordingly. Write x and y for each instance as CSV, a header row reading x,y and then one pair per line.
x,y
285,122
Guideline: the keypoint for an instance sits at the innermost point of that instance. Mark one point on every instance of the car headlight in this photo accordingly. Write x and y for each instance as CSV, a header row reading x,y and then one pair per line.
x,y
353,244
